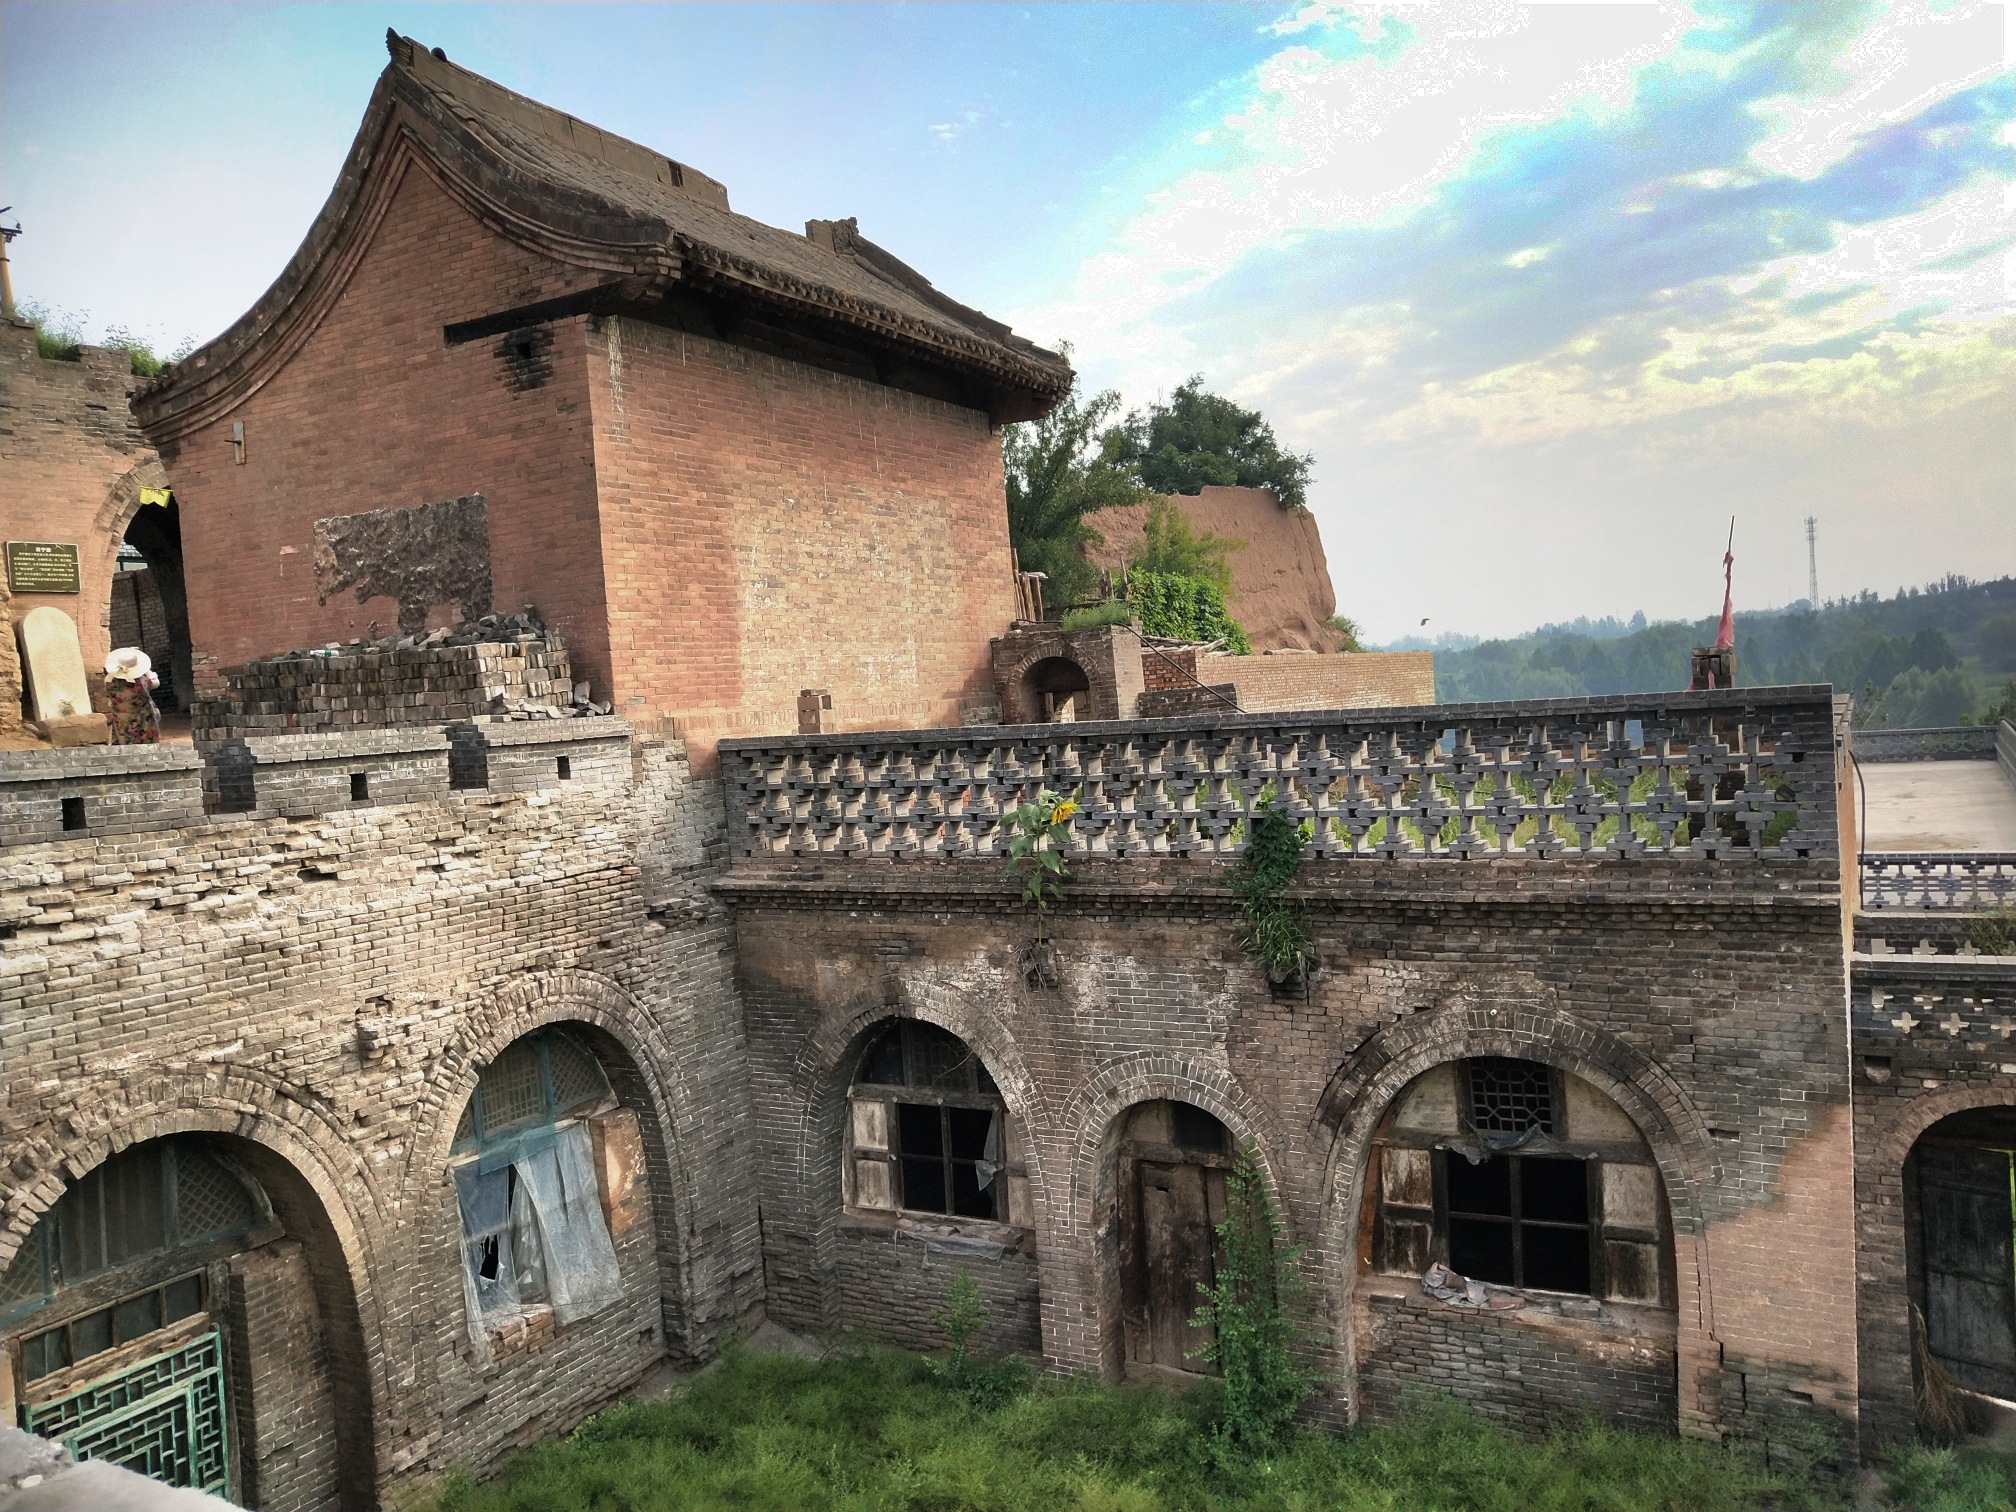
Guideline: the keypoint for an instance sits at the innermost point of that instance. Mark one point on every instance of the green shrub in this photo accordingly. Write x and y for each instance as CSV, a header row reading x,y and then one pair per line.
x,y
984,1383
1095,615
1185,608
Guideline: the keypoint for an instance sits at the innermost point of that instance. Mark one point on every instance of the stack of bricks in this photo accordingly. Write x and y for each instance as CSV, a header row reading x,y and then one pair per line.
x,y
362,688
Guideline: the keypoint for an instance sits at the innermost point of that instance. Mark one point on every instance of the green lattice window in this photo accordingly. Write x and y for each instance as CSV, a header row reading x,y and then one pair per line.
x,y
538,1079
163,1418
164,1195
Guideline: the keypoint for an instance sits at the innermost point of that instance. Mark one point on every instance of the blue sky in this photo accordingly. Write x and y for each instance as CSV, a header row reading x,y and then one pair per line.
x,y
1549,290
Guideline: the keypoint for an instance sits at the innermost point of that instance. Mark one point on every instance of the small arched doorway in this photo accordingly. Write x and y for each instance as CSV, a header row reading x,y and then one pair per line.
x,y
1959,1256
1056,691
1170,1190
150,605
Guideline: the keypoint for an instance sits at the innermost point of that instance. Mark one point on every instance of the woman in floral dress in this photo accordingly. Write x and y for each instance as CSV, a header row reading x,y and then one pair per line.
x,y
129,685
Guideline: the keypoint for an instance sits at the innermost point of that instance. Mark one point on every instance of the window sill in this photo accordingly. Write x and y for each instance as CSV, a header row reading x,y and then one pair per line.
x,y
1387,1293
936,1226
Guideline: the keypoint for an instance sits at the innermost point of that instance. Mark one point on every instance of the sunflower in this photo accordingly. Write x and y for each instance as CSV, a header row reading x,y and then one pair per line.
x,y
1063,811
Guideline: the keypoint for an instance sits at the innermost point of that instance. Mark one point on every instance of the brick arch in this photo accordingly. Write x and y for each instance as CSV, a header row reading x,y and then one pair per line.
x,y
538,1001
826,1051
1368,1082
1888,1372
97,560
308,1175
1096,1105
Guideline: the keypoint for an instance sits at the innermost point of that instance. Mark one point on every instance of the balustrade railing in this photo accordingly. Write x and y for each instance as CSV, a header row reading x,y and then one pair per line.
x,y
1973,881
1740,775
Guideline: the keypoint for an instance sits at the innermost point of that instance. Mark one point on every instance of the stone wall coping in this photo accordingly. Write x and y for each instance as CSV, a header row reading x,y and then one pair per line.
x,y
1738,702
96,761
334,745
1996,971
1927,743
533,732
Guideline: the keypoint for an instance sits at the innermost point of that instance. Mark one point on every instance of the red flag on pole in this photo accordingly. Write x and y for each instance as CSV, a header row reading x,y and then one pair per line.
x,y
1725,638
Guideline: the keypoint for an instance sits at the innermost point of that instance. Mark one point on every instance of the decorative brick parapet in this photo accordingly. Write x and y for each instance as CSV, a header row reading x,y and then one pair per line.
x,y
1948,880
88,792
1716,776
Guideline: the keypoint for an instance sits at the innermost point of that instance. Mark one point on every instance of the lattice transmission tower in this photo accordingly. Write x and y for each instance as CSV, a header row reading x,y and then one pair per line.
x,y
1813,562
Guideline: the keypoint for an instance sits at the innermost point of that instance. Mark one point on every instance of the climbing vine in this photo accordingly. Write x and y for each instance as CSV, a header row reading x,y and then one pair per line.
x,y
1277,932
1251,1308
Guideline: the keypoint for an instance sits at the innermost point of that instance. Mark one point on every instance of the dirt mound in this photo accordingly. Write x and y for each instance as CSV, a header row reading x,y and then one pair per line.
x,y
1281,587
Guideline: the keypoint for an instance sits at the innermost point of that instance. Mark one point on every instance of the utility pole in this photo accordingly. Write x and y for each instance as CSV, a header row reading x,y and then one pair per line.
x,y
1813,563
7,235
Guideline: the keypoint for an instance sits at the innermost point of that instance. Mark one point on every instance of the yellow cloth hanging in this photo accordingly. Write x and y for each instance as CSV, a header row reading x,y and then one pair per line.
x,y
160,496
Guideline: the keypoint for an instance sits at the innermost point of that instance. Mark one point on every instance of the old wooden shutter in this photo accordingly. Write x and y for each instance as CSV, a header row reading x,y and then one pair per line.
x,y
1970,1272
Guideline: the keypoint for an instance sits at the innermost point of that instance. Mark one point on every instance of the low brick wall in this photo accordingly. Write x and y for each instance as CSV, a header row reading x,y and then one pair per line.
x,y
108,790
1304,680
375,689
1943,743
1529,1371
894,1284
314,774
523,756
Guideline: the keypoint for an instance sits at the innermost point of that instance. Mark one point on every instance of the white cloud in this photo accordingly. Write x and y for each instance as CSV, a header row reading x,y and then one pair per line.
x,y
1320,142
1909,55
1525,257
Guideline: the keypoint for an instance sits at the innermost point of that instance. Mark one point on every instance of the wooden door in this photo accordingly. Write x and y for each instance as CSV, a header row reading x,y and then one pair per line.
x,y
1970,1271
1180,1207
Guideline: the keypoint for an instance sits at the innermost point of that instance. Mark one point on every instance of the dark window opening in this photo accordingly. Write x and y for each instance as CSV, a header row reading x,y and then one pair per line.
x,y
566,769
1520,1220
124,1321
360,787
524,351
941,1152
1197,1130
944,1121
73,813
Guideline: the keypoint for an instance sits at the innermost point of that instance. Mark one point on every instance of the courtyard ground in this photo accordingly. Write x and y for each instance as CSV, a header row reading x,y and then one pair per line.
x,y
872,1428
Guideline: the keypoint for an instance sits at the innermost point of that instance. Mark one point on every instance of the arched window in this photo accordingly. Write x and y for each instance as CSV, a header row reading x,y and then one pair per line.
x,y
928,1127
133,1233
1514,1174
534,1234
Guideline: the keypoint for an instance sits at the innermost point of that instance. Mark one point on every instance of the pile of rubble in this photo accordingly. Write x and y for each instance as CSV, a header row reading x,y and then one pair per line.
x,y
499,667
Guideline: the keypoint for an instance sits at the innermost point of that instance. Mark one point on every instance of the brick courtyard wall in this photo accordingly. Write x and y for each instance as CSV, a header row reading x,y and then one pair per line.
x,y
1304,680
1702,996
72,462
324,988
376,411
769,527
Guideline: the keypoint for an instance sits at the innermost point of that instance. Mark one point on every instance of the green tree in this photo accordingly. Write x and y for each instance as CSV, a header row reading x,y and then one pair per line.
x,y
1185,608
1197,438
1174,549
1057,475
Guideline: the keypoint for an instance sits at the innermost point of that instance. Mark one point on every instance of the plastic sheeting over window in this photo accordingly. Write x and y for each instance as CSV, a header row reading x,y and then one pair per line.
x,y
533,1234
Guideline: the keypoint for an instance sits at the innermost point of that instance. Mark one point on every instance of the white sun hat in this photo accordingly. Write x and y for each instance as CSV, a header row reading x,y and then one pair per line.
x,y
128,664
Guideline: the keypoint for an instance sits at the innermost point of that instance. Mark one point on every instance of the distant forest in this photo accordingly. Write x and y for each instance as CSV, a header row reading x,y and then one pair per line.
x,y
1939,655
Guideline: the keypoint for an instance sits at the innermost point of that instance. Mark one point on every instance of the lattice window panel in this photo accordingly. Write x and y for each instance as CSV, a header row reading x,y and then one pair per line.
x,y
25,1279
209,1200
510,1088
465,1129
164,1418
577,1078
1510,1096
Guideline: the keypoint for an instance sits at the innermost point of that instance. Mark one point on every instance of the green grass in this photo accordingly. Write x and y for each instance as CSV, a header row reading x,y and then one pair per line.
x,y
876,1429
1094,615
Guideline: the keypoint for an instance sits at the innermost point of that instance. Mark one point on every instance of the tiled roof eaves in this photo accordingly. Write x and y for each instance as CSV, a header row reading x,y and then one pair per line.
x,y
1000,362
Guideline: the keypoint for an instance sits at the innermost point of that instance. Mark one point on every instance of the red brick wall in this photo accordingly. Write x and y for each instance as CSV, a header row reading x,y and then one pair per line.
x,y
1361,680
67,438
375,411
770,526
